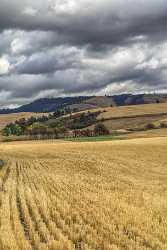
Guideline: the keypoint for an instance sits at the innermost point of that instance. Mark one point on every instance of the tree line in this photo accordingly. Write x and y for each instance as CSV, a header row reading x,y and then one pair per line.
x,y
61,123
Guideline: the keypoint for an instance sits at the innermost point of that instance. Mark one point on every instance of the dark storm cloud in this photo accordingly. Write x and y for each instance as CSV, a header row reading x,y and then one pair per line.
x,y
80,22
67,47
57,59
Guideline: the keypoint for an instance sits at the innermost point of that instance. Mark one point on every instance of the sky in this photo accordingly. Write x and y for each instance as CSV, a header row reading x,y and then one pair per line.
x,y
52,48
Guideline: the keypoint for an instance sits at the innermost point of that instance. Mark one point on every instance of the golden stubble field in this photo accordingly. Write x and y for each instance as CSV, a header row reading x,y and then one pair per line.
x,y
133,110
91,196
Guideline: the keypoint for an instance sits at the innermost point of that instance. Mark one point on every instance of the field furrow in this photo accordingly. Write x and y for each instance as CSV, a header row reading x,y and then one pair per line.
x,y
84,196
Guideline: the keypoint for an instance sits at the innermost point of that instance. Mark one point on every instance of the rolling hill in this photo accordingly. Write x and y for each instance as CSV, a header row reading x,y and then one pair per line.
x,y
120,120
86,102
8,118
46,105
132,117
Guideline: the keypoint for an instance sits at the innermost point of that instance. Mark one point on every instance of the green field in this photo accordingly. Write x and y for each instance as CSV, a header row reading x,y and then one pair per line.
x,y
94,138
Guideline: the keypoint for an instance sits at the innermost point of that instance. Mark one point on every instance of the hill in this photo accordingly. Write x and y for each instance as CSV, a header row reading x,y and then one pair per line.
x,y
112,120
9,118
86,102
133,117
129,99
46,105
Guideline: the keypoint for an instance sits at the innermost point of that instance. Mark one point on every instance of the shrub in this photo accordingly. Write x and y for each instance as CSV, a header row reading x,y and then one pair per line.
x,y
100,129
150,126
163,125
83,120
36,129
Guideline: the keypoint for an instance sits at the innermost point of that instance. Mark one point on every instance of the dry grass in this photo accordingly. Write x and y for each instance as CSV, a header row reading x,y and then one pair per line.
x,y
91,196
152,133
132,117
134,110
134,122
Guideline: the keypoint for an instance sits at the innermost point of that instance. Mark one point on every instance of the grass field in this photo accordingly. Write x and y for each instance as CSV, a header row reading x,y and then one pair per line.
x,y
133,117
133,110
93,138
82,195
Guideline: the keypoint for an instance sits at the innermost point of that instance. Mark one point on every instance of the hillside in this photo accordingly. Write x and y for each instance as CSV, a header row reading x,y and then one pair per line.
x,y
46,105
133,117
116,120
101,101
129,99
134,110
8,118
86,102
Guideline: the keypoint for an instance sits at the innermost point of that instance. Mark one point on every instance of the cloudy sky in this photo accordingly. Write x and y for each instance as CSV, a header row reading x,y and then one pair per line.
x,y
81,47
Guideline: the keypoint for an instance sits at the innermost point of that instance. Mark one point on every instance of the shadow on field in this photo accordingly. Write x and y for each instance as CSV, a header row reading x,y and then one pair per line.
x,y
2,163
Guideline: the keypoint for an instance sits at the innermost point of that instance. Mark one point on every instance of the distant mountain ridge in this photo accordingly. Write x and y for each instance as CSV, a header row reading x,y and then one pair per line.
x,y
86,102
46,105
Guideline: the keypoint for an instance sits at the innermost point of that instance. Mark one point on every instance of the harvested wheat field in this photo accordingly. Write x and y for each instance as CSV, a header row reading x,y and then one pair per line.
x,y
91,196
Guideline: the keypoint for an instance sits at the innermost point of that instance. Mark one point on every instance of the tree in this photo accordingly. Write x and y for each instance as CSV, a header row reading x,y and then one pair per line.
x,y
31,120
7,131
37,129
17,130
100,129
13,129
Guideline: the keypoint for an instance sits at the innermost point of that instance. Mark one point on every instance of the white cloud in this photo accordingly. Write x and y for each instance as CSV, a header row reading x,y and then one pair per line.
x,y
30,11
4,66
64,6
